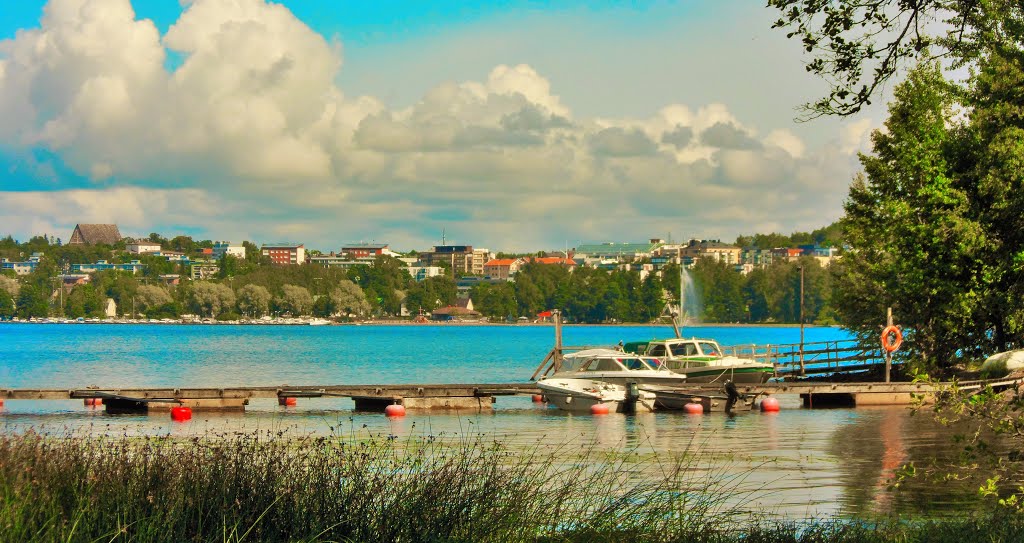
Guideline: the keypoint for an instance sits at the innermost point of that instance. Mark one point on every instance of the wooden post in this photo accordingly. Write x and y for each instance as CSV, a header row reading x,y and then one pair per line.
x,y
557,315
542,365
888,355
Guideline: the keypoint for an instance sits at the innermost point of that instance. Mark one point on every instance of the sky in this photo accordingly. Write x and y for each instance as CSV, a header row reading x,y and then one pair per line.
x,y
519,126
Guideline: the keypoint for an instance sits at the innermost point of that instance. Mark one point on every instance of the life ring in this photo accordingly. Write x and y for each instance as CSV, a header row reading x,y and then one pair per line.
x,y
897,338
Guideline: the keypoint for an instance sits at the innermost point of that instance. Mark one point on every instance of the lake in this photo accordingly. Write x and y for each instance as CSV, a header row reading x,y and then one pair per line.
x,y
804,463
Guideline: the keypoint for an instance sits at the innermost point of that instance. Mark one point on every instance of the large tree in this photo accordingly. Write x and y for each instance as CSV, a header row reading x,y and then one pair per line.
x,y
348,299
917,246
210,299
295,300
253,300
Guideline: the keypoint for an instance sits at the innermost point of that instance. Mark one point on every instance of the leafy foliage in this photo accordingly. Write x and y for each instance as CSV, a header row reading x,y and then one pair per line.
x,y
858,45
253,300
210,299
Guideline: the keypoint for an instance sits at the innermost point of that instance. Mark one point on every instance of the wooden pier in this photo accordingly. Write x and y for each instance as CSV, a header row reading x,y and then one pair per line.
x,y
465,396
366,397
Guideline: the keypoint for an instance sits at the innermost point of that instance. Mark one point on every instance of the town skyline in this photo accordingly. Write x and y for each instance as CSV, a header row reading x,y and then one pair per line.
x,y
531,125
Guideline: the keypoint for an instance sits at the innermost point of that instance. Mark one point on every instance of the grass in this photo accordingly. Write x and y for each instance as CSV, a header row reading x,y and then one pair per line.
x,y
264,487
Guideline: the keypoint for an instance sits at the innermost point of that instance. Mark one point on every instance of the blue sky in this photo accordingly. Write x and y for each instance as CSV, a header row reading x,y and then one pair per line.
x,y
516,125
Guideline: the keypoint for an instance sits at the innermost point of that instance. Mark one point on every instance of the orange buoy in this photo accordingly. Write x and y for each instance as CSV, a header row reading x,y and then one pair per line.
x,y
181,414
1,402
693,409
770,405
537,398
93,402
600,409
286,401
395,410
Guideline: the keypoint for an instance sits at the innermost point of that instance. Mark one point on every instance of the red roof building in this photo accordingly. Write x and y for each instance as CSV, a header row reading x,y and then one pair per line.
x,y
502,268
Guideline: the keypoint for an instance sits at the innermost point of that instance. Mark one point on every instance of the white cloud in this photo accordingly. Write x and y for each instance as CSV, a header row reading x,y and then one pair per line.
x,y
256,138
854,135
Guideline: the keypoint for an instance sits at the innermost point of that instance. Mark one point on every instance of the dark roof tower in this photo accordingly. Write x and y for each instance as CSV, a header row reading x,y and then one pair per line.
x,y
91,234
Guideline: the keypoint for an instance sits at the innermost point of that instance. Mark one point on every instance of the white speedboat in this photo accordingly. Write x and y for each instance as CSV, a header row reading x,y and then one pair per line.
x,y
580,395
616,367
702,361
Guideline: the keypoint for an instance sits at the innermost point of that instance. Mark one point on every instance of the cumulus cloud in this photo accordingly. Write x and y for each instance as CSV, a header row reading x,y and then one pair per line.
x,y
251,135
679,137
617,141
728,136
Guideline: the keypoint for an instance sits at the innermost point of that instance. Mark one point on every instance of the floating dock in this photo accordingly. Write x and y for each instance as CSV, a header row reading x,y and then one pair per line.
x,y
465,396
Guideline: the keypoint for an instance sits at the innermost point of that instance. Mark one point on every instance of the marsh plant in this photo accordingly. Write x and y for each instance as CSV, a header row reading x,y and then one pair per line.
x,y
268,487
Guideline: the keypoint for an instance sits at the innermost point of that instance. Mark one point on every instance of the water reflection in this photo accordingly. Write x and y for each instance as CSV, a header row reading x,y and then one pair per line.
x,y
798,463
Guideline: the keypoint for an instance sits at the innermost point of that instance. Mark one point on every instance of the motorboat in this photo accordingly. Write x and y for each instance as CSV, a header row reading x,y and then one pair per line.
x,y
616,367
580,395
702,361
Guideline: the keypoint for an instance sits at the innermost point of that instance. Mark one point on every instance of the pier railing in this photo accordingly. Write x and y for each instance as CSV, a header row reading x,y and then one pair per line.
x,y
818,357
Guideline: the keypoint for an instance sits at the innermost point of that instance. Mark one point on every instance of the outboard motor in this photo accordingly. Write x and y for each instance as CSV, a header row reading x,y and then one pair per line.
x,y
733,396
632,396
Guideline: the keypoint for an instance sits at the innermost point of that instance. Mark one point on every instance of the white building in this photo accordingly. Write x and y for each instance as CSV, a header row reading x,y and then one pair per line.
x,y
420,273
220,248
141,247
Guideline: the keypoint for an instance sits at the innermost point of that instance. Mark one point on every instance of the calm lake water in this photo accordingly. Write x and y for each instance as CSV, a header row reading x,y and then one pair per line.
x,y
804,463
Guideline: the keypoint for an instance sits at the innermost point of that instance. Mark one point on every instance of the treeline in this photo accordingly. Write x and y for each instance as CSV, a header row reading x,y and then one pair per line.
x,y
828,236
253,288
591,295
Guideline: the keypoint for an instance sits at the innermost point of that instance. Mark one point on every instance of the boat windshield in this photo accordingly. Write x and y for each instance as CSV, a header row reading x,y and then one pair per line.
x,y
639,363
656,350
601,364
710,348
684,349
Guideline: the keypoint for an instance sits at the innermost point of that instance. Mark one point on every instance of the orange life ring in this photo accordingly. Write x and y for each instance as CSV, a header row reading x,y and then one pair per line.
x,y
891,346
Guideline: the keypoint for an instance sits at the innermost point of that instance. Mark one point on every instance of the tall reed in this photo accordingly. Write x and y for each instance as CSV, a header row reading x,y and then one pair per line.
x,y
267,487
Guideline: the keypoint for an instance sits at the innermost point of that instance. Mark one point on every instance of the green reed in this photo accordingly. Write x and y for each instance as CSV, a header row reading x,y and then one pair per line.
x,y
268,487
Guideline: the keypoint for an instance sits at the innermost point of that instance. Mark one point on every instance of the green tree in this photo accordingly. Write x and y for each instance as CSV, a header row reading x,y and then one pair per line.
x,y
253,300
85,301
496,301
348,299
150,296
210,299
33,301
721,291
991,162
6,304
295,300
917,247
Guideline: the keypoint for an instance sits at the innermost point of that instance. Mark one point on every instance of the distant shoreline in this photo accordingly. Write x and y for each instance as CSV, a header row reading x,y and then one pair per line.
x,y
289,322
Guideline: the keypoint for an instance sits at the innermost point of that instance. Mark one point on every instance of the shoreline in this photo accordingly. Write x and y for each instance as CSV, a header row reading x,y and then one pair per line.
x,y
306,322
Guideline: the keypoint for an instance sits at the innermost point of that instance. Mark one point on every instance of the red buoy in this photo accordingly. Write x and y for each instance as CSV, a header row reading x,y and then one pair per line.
x,y
770,405
600,409
537,398
693,409
287,402
395,410
93,402
181,414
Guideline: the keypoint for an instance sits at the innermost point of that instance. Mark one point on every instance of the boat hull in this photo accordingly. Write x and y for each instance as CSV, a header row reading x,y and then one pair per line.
x,y
676,401
741,375
579,395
